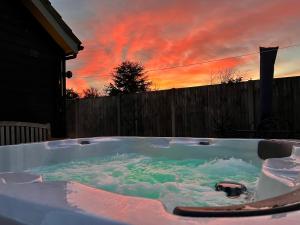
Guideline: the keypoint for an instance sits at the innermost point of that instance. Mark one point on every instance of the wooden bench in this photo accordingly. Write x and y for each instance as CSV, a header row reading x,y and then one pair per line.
x,y
20,132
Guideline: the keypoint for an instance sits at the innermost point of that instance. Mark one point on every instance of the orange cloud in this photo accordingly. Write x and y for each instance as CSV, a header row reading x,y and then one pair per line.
x,y
178,33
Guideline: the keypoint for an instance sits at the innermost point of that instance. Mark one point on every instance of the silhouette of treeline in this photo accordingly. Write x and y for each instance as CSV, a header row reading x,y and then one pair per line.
x,y
128,77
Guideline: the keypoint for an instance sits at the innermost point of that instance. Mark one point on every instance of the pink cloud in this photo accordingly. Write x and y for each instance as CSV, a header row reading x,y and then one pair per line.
x,y
180,32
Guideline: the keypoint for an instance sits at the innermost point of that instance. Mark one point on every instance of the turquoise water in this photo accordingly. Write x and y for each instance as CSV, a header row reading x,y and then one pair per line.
x,y
188,182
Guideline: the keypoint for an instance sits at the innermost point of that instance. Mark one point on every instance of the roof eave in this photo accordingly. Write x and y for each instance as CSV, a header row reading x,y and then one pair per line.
x,y
58,30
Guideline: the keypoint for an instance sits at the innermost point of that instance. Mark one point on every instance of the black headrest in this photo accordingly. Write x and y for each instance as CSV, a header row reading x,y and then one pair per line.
x,y
275,148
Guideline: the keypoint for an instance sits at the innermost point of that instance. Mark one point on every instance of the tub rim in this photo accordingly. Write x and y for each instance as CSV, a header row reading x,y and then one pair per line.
x,y
280,204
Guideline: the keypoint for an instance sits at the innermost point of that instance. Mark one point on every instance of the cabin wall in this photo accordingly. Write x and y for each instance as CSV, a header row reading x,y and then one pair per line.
x,y
31,69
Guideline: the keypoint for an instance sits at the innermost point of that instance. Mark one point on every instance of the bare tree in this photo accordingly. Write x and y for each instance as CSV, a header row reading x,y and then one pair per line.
x,y
72,94
155,87
91,92
226,76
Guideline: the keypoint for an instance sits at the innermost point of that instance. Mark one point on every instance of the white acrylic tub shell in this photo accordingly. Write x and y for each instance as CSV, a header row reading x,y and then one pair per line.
x,y
279,176
35,202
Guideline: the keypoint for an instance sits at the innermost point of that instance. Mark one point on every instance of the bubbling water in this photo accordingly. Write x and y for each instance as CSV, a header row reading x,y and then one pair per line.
x,y
188,182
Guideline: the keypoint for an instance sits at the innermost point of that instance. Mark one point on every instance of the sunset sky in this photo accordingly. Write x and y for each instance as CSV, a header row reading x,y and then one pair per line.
x,y
166,33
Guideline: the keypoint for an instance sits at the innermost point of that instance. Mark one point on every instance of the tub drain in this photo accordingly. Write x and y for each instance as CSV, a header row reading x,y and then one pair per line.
x,y
232,189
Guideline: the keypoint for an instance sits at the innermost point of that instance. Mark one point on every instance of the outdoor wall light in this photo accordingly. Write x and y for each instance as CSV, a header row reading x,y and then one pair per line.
x,y
69,74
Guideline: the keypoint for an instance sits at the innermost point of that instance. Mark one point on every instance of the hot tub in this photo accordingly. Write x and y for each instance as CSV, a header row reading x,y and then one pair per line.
x,y
134,180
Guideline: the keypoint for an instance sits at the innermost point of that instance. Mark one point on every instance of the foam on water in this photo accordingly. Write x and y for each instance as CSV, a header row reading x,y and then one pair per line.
x,y
188,182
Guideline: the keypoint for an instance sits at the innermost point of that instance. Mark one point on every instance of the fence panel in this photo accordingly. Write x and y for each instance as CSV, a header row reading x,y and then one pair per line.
x,y
209,111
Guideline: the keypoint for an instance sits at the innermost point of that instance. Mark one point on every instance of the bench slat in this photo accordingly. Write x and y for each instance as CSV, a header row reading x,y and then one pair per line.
x,y
20,132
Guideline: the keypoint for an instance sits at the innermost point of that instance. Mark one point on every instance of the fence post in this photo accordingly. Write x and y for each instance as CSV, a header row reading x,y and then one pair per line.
x,y
136,115
119,114
251,105
173,116
76,102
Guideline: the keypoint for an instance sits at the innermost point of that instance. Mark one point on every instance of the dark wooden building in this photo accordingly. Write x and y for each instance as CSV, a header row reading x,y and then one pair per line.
x,y
34,45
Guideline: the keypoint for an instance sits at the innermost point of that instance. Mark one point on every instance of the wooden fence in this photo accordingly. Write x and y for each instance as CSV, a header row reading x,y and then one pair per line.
x,y
20,132
208,111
